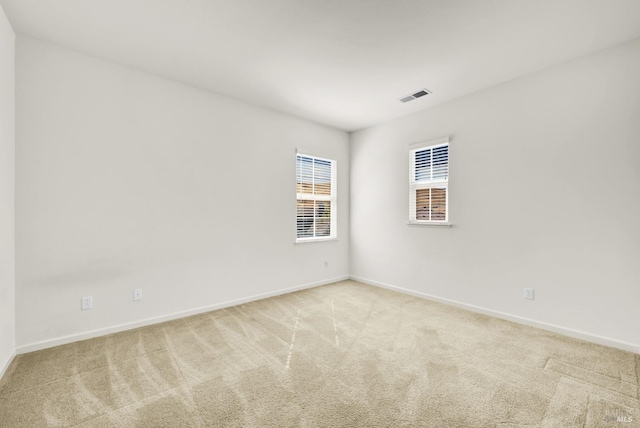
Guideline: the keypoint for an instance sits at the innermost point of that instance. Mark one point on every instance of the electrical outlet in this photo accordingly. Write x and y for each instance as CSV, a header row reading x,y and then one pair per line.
x,y
137,294
86,302
528,293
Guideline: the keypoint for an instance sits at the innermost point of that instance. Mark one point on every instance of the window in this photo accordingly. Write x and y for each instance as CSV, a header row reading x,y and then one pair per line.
x,y
316,198
429,182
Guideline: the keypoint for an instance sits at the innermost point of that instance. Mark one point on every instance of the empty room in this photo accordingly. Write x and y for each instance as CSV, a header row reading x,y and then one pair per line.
x,y
319,213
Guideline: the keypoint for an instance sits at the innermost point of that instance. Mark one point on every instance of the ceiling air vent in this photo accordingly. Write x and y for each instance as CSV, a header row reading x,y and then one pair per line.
x,y
418,94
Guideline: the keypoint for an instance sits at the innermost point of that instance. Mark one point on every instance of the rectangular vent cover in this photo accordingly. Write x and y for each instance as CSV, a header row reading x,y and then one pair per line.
x,y
418,94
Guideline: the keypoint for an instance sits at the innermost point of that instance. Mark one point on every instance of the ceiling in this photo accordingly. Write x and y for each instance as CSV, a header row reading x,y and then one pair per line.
x,y
343,63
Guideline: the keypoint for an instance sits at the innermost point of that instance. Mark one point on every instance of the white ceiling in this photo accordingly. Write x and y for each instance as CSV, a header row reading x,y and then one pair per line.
x,y
344,63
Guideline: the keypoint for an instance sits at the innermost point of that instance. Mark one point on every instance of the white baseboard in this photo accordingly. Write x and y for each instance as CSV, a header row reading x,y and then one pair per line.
x,y
594,338
49,343
5,365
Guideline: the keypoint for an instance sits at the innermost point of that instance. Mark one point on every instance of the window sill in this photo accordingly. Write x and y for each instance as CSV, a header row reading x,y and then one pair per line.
x,y
309,241
430,224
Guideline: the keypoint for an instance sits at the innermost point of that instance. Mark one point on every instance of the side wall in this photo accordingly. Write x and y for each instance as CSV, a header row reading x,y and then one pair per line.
x,y
544,193
7,169
125,180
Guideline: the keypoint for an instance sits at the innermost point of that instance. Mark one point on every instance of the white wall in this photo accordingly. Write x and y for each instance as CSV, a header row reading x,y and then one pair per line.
x,y
126,180
545,193
7,168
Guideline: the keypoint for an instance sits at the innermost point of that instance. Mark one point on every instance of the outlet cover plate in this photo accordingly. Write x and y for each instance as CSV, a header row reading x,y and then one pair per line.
x,y
86,302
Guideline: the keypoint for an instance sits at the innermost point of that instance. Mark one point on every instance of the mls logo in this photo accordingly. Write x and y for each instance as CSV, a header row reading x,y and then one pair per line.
x,y
618,416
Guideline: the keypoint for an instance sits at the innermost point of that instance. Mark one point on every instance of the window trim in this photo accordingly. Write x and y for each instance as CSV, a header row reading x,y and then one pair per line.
x,y
416,185
332,199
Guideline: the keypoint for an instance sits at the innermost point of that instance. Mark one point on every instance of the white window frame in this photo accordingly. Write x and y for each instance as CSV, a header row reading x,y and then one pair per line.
x,y
415,185
332,199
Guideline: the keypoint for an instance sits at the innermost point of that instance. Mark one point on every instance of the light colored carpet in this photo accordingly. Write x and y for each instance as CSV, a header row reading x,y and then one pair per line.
x,y
341,355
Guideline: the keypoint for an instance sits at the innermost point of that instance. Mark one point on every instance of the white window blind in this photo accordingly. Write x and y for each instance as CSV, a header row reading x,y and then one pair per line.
x,y
316,198
429,182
